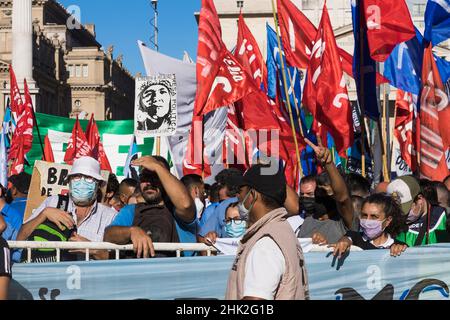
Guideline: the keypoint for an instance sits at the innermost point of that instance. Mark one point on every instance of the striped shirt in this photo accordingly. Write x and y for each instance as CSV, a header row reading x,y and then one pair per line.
x,y
5,259
92,227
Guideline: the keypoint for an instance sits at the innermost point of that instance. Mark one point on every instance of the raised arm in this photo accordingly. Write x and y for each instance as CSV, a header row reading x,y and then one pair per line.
x,y
340,191
177,192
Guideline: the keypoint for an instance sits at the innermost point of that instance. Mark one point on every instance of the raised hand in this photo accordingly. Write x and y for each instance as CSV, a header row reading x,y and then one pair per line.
x,y
323,155
147,162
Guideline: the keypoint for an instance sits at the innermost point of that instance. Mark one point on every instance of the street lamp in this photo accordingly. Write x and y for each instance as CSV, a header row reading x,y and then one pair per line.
x,y
154,24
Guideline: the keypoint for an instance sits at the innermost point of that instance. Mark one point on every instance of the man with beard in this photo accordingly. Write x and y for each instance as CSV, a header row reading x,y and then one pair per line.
x,y
78,217
168,214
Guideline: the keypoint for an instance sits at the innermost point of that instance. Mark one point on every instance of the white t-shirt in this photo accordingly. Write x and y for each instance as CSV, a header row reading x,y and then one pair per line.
x,y
263,270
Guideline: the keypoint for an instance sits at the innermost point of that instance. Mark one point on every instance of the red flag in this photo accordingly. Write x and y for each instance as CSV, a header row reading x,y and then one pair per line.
x,y
235,153
298,35
96,145
17,165
48,151
23,135
220,78
389,23
405,132
325,92
221,81
249,55
434,121
16,99
194,162
78,146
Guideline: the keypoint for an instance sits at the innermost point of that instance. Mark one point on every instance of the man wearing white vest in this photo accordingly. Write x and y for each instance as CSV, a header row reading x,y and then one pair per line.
x,y
269,263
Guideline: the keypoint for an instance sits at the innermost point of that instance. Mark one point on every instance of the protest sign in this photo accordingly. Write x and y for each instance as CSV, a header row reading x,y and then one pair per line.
x,y
50,179
156,106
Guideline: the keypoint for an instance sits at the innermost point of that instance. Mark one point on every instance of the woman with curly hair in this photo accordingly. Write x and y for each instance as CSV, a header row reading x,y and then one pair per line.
x,y
381,221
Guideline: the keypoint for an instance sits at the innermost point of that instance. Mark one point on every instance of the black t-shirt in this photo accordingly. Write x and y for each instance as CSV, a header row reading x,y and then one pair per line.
x,y
359,241
5,259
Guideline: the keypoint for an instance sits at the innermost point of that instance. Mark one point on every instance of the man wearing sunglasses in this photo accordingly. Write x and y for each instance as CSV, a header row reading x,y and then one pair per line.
x,y
81,213
167,215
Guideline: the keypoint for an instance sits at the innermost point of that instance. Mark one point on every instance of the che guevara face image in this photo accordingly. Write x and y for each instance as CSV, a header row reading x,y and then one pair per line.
x,y
155,106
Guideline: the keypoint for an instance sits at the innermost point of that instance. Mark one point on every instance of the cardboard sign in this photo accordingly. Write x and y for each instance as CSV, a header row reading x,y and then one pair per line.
x,y
156,106
50,179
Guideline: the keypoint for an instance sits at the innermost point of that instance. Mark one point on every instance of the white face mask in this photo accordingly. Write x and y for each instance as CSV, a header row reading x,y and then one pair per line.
x,y
199,206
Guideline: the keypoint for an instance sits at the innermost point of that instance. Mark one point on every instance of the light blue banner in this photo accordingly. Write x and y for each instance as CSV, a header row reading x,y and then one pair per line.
x,y
420,273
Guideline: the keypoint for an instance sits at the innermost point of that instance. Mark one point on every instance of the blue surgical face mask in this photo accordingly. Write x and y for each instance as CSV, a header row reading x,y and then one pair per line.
x,y
82,191
236,230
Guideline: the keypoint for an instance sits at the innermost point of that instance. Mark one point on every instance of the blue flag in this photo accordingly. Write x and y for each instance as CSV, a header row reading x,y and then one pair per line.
x,y
364,65
403,68
275,78
132,171
437,21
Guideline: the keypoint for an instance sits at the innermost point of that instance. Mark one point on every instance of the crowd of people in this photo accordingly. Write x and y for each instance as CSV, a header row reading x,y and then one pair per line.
x,y
335,209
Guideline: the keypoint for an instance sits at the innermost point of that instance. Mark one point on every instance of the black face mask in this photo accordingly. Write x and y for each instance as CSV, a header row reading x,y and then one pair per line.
x,y
307,205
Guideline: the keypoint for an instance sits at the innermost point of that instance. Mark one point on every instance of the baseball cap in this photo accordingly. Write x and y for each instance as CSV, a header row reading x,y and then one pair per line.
x,y
87,166
21,182
270,185
405,189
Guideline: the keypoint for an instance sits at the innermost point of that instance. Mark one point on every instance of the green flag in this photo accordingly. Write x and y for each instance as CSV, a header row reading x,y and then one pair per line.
x,y
116,137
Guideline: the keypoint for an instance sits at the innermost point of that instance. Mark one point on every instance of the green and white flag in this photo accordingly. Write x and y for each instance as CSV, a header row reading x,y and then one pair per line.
x,y
116,137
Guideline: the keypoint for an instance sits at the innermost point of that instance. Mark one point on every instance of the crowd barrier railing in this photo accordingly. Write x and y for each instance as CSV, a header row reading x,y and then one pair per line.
x,y
88,246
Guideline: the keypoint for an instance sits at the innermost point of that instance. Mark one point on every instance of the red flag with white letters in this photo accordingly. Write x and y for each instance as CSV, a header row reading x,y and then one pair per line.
x,y
434,121
78,146
405,128
249,55
16,99
22,140
298,35
389,23
325,93
221,80
95,142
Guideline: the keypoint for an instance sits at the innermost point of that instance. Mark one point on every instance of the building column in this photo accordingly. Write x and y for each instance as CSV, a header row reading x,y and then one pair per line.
x,y
22,38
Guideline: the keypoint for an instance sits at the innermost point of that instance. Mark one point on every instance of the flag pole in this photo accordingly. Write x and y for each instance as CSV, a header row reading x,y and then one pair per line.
x,y
361,100
384,134
39,133
297,151
298,117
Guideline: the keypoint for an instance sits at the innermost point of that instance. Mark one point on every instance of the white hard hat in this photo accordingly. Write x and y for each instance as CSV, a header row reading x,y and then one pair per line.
x,y
87,166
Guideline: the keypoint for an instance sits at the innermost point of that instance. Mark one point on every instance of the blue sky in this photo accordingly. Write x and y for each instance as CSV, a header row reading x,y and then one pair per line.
x,y
122,23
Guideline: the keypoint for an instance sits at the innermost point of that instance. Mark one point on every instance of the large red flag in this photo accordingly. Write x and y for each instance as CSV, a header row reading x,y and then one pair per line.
x,y
48,151
389,23
249,55
434,121
95,142
220,78
78,146
298,35
325,92
405,132
16,99
221,81
23,135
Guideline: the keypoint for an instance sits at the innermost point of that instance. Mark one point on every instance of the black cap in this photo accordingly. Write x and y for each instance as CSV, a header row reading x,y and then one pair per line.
x,y
262,179
21,182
